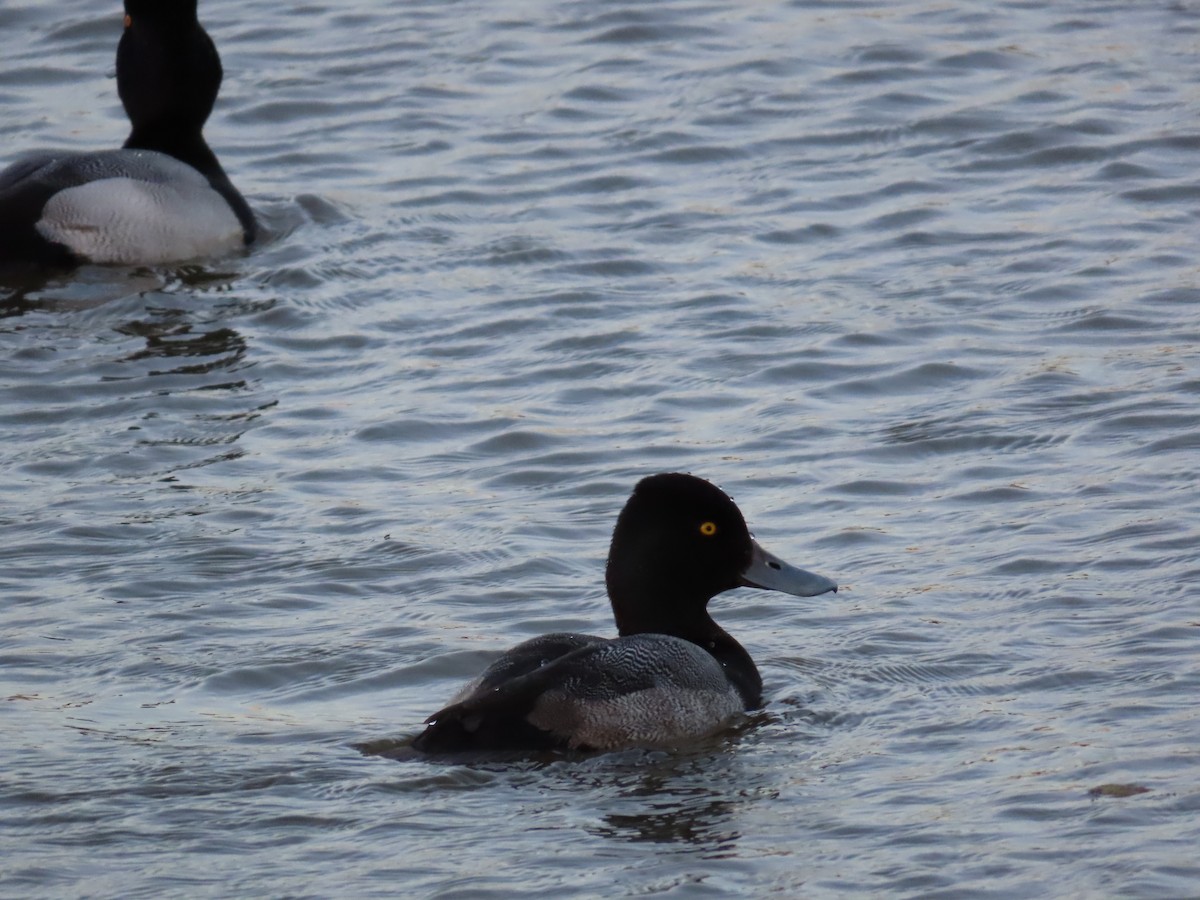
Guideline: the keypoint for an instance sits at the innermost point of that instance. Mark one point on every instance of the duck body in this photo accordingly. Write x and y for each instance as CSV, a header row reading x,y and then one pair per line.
x,y
672,675
163,197
123,207
582,692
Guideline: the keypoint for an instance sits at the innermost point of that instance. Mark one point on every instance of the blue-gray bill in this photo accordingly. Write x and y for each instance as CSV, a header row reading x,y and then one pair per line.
x,y
768,571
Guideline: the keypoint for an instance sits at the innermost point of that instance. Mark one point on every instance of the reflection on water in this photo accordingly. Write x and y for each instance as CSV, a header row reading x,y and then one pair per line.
x,y
672,810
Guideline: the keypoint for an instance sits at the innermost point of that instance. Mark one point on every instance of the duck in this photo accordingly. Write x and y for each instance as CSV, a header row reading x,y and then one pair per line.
x,y
671,677
162,197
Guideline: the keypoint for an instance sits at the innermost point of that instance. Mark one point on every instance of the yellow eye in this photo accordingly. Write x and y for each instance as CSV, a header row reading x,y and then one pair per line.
x,y
708,529
128,20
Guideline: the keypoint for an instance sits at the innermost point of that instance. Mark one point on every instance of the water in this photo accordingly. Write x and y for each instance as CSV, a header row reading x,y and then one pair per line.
x,y
916,282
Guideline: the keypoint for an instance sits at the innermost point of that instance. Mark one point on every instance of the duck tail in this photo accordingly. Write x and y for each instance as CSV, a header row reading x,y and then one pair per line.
x,y
458,729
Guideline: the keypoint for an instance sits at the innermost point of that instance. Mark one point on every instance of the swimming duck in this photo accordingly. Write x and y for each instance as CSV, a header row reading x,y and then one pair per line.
x,y
163,197
673,675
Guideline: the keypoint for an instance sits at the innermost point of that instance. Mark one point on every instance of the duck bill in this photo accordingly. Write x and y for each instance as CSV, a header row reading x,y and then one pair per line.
x,y
768,571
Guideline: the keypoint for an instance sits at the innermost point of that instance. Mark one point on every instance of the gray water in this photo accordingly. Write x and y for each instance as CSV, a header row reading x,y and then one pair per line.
x,y
916,282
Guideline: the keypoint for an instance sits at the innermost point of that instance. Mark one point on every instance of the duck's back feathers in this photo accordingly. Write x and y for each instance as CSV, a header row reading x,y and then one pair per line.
x,y
641,690
23,195
527,656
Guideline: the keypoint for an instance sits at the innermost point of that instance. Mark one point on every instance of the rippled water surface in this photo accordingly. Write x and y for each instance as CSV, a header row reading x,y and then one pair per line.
x,y
916,282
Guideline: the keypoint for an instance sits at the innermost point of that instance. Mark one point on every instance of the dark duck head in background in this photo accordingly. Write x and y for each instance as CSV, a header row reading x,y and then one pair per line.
x,y
163,197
